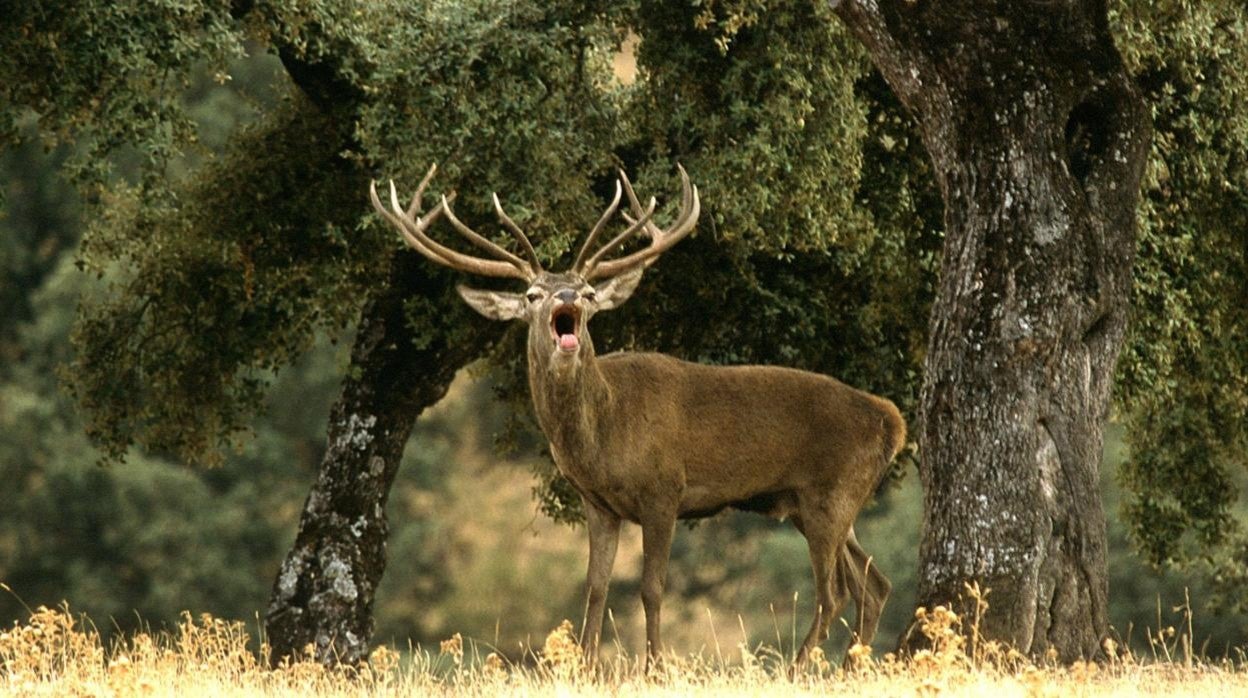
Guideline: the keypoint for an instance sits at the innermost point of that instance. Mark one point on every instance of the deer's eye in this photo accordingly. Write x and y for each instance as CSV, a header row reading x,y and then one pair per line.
x,y
590,295
534,296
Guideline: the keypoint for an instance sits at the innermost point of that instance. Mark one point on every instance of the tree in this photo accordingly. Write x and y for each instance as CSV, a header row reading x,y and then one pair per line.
x,y
1038,139
229,273
1038,136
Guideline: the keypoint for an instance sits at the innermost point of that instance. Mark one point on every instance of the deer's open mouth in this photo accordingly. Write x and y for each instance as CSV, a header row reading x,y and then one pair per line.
x,y
563,324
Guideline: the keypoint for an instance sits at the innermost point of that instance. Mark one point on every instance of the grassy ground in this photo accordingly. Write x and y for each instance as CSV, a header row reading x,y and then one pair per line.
x,y
53,654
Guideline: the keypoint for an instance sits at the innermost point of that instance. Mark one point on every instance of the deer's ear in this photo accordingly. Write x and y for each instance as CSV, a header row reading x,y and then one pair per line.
x,y
496,305
619,288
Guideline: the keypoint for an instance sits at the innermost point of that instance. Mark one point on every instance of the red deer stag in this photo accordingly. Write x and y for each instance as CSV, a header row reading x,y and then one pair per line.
x,y
650,439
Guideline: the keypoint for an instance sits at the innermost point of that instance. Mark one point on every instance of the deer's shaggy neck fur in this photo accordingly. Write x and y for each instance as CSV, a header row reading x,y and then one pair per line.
x,y
570,397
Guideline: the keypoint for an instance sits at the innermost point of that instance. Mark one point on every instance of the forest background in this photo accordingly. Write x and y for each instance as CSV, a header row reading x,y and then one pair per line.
x,y
469,551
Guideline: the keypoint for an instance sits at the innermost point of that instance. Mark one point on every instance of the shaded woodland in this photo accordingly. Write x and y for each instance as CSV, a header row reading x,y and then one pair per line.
x,y
188,265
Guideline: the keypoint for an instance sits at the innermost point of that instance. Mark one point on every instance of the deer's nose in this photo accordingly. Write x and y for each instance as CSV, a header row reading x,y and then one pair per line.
x,y
567,295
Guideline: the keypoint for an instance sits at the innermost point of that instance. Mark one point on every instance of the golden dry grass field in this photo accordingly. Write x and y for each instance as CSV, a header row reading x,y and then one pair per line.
x,y
55,654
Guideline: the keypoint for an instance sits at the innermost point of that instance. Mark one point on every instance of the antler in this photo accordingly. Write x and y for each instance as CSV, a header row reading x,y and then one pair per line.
x,y
508,265
413,230
660,240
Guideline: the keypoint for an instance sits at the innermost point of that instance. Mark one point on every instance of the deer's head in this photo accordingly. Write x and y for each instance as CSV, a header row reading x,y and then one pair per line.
x,y
556,305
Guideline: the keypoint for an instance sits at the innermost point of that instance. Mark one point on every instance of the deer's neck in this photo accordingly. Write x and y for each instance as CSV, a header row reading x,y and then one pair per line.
x,y
570,404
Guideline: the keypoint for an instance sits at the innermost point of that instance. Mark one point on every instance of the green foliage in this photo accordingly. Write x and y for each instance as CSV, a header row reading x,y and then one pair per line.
x,y
507,97
1184,373
109,76
223,277
757,99
231,281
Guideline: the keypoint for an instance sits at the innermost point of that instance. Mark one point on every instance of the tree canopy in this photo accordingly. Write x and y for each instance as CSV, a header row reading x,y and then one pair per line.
x,y
1184,385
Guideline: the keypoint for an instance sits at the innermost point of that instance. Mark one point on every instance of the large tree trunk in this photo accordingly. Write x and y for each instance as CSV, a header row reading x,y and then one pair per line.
x,y
1039,139
323,595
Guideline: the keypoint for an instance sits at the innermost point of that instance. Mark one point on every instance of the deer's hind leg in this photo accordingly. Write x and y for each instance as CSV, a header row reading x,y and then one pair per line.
x,y
866,584
657,528
817,521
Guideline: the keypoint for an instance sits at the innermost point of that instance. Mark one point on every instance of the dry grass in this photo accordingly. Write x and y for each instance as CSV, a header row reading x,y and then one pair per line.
x,y
53,654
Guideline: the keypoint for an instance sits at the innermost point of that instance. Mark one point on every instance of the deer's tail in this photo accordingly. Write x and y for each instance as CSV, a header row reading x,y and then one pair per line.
x,y
894,434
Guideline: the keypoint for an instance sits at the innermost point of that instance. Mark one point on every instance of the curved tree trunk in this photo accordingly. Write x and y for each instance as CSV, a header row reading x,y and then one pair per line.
x,y
1039,140
323,595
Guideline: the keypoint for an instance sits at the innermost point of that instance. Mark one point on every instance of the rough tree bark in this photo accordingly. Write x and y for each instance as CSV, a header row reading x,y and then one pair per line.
x,y
323,595
1039,138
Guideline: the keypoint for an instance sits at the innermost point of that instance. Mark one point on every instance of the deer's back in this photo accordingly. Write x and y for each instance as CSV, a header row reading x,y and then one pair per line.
x,y
738,431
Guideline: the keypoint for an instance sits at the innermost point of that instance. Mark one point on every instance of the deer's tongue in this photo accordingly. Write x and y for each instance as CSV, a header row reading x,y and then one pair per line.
x,y
569,342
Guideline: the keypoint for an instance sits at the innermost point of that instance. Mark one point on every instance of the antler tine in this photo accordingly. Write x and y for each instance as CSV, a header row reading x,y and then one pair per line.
x,y
660,240
620,239
578,265
481,241
518,234
398,222
633,203
412,229
414,207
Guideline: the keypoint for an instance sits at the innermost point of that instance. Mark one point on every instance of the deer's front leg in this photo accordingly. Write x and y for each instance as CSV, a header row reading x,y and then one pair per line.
x,y
656,546
604,538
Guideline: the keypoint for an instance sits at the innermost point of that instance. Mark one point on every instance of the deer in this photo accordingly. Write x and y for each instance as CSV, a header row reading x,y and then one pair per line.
x,y
651,439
